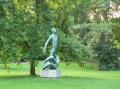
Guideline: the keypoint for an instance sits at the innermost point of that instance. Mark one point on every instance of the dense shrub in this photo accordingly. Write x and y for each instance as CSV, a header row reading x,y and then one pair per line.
x,y
107,54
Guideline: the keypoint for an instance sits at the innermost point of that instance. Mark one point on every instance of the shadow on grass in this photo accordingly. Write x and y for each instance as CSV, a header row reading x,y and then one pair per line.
x,y
76,77
63,77
19,77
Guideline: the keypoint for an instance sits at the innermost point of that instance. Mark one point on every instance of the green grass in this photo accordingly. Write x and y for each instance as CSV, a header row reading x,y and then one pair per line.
x,y
74,77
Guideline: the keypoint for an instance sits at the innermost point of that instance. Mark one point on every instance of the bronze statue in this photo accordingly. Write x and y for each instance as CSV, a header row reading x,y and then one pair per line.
x,y
53,60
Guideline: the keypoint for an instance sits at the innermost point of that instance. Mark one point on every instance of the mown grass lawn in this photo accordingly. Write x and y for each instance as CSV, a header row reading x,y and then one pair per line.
x,y
74,77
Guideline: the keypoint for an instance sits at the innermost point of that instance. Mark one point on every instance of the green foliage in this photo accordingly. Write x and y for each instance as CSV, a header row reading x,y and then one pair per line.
x,y
116,28
90,36
70,49
107,53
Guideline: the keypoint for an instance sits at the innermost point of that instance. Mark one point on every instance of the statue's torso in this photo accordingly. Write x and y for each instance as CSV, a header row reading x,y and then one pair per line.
x,y
54,40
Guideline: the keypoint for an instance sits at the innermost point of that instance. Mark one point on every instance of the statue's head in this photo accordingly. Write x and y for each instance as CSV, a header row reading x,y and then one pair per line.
x,y
53,30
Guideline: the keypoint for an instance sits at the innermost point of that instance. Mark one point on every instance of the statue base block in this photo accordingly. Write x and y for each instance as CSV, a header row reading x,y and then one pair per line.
x,y
51,73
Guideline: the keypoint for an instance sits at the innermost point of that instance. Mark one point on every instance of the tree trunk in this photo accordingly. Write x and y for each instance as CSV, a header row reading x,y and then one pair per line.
x,y
5,65
32,68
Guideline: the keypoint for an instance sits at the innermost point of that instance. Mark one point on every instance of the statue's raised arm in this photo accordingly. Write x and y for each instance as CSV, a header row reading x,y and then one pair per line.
x,y
46,43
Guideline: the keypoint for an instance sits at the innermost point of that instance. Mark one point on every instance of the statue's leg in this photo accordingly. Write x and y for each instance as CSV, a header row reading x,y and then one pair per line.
x,y
52,52
57,59
47,59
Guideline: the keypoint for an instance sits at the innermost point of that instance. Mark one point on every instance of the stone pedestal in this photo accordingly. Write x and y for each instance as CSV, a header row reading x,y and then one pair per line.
x,y
50,73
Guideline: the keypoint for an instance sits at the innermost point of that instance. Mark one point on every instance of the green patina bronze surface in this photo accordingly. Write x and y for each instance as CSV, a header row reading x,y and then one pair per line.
x,y
53,60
